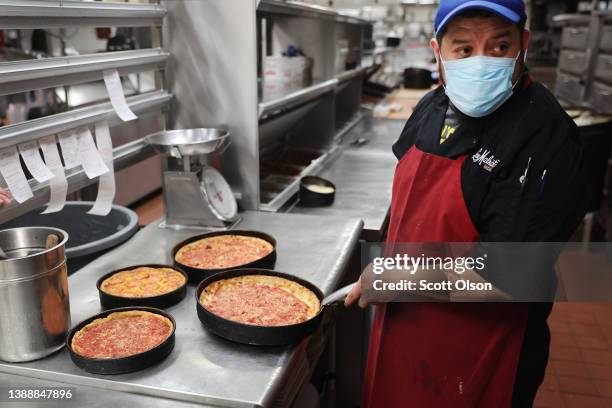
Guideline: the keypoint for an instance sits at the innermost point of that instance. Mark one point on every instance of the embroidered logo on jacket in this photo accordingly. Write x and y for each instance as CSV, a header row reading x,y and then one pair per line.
x,y
485,159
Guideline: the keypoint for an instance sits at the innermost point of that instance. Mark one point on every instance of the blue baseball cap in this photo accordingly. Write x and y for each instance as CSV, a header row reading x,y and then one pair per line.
x,y
512,10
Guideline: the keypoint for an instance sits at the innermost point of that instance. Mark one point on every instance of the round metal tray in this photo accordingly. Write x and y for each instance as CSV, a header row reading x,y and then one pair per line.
x,y
188,142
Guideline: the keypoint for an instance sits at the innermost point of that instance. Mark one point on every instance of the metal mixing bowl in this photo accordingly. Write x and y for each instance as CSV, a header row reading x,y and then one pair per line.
x,y
188,142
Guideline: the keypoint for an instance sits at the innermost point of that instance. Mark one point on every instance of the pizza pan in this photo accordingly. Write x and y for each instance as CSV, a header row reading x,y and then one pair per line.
x,y
197,274
263,335
311,198
109,301
123,364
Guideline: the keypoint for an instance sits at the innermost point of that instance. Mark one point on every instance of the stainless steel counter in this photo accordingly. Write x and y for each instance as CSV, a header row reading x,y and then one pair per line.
x,y
363,175
381,133
203,368
82,396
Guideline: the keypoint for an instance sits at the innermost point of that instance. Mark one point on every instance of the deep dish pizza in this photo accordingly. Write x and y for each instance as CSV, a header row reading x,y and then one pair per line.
x,y
260,300
223,251
122,334
142,282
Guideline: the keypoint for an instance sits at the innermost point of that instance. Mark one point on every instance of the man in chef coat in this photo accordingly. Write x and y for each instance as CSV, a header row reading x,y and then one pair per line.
x,y
489,156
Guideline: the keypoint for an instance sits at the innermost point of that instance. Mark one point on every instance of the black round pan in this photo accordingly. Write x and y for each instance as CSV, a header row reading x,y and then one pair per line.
x,y
197,274
161,301
123,364
262,335
310,198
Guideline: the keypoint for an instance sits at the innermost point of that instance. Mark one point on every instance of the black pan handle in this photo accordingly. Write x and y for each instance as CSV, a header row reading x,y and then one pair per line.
x,y
337,296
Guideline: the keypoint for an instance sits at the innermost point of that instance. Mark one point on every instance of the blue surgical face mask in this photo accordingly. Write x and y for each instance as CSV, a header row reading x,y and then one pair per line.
x,y
477,86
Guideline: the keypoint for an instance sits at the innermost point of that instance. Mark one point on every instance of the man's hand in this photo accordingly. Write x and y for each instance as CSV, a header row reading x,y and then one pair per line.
x,y
355,294
5,197
364,294
367,296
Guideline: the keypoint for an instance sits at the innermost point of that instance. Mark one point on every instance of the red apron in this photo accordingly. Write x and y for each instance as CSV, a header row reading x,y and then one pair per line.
x,y
439,355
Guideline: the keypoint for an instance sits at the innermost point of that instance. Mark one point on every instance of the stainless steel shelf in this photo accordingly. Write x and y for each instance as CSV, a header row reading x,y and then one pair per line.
x,y
26,75
297,8
291,99
314,168
571,19
350,74
378,51
123,156
61,122
72,13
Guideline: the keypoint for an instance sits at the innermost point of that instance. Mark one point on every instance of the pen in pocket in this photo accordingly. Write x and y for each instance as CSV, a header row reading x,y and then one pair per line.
x,y
543,180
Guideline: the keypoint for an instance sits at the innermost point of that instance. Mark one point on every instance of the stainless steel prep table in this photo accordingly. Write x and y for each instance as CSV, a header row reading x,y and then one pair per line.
x,y
380,132
203,368
363,175
83,396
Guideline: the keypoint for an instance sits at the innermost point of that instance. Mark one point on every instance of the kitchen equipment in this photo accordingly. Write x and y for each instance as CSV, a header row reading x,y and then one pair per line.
x,y
393,41
90,235
265,335
316,191
123,364
195,194
197,274
596,144
417,78
34,307
161,301
188,142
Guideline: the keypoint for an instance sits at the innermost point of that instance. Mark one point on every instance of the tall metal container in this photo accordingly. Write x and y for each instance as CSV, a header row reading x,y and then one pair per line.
x,y
34,307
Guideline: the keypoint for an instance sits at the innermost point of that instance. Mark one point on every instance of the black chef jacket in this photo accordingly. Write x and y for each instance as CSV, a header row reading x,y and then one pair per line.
x,y
524,180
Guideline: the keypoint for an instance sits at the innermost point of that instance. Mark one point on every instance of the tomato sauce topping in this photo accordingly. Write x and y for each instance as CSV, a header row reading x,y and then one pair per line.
x,y
122,336
224,251
258,304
